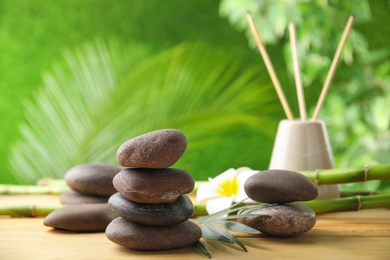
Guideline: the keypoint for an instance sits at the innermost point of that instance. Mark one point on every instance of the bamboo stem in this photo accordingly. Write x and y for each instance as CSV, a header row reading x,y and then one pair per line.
x,y
270,67
32,189
350,193
27,210
348,175
297,72
333,67
354,203
322,176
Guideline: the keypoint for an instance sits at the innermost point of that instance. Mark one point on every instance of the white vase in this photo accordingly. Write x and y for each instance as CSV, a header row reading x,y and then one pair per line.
x,y
304,145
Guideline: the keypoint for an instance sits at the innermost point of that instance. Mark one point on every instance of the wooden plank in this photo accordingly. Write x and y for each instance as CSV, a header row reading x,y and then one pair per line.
x,y
349,235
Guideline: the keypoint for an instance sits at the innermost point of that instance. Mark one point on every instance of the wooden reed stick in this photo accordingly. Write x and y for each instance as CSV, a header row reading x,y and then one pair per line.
x,y
297,72
270,68
332,69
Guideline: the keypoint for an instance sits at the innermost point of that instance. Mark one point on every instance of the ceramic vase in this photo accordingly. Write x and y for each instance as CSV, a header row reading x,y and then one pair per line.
x,y
304,145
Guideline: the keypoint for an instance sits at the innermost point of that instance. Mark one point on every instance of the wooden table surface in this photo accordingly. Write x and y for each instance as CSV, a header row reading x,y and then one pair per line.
x,y
348,235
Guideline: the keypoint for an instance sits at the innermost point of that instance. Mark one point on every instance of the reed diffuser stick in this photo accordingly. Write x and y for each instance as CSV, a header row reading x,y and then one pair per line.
x,y
297,72
269,67
333,67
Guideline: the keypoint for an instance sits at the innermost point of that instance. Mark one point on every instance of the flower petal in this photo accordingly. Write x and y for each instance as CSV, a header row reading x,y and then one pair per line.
x,y
226,175
206,191
225,183
216,205
241,179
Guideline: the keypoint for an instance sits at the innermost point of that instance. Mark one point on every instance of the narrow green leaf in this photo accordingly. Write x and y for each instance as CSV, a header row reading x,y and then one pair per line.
x,y
207,233
228,236
200,247
214,233
236,227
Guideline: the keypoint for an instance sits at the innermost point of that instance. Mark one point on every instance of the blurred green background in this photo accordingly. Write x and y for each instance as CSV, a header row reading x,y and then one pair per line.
x,y
35,34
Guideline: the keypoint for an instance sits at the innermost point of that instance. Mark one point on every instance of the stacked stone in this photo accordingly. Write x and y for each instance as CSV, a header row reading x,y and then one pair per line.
x,y
87,209
281,212
90,183
153,210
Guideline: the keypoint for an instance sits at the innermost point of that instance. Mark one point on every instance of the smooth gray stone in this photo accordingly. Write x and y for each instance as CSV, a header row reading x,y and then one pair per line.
x,y
153,186
280,186
92,178
74,197
146,237
157,149
280,220
80,218
152,214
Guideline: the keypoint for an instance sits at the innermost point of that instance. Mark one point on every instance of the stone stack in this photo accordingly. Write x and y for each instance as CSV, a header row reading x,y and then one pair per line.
x,y
153,210
281,212
90,183
87,209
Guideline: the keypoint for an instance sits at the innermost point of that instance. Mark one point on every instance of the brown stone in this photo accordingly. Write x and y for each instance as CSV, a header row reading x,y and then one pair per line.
x,y
153,185
74,197
157,149
146,237
80,218
92,178
165,214
280,186
280,220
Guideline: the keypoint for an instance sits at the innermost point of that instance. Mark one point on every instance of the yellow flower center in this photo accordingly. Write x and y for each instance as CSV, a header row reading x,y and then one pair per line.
x,y
228,188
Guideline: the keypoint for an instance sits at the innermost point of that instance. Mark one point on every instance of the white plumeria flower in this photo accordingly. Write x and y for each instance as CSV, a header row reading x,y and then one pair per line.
x,y
228,187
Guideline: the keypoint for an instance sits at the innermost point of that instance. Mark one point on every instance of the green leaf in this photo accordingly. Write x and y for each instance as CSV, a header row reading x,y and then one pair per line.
x,y
200,247
210,234
104,94
226,235
236,227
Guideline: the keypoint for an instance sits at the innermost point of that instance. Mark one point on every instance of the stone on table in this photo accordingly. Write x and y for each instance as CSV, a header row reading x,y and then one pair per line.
x,y
280,220
148,237
80,218
74,197
92,178
152,214
280,186
153,185
157,149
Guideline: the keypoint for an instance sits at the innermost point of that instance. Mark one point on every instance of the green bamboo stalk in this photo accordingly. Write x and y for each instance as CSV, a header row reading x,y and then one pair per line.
x,y
354,203
348,175
9,189
321,177
27,211
350,193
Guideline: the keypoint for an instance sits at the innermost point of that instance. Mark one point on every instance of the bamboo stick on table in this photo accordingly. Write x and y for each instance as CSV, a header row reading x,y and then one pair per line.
x,y
332,69
270,68
297,72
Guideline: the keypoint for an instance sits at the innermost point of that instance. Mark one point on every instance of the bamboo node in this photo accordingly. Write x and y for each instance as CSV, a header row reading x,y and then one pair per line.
x,y
366,169
359,201
316,181
33,212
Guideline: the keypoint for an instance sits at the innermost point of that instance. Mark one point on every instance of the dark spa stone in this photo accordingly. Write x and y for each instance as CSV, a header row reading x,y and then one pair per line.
x,y
92,178
280,186
280,220
157,149
147,237
80,218
153,185
152,214
74,197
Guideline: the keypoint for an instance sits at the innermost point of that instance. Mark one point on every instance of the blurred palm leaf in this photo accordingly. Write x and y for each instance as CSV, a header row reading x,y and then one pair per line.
x,y
105,94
